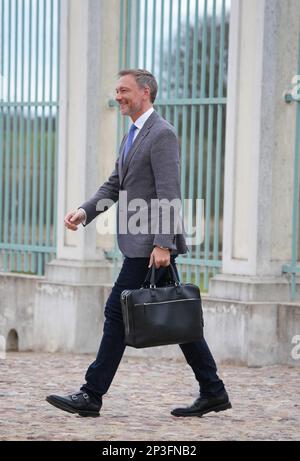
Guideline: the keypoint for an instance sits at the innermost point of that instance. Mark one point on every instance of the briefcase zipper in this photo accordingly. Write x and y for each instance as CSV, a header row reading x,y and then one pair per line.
x,y
167,302
124,297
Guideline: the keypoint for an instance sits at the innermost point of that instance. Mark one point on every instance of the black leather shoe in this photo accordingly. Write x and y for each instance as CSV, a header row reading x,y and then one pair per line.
x,y
80,403
202,405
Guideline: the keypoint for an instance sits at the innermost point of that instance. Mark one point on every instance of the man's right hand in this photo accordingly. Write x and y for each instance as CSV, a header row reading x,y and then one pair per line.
x,y
73,219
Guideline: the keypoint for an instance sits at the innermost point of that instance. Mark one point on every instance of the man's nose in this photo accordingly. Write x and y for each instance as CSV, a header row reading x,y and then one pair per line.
x,y
118,97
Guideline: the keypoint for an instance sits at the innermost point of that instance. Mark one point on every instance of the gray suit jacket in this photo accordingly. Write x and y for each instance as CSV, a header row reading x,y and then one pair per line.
x,y
150,171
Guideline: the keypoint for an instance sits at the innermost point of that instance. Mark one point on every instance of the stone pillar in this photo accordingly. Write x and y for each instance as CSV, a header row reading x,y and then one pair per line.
x,y
260,139
69,302
89,64
259,149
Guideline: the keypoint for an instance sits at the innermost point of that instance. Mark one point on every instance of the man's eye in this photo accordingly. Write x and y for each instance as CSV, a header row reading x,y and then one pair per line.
x,y
121,91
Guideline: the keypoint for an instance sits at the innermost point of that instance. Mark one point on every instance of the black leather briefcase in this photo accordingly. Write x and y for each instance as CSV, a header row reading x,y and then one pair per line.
x,y
156,316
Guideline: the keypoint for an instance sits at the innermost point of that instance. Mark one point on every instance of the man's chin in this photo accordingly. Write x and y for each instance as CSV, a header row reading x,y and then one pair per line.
x,y
124,111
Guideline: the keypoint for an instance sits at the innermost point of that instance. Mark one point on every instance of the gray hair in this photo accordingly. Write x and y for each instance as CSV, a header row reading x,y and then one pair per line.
x,y
143,78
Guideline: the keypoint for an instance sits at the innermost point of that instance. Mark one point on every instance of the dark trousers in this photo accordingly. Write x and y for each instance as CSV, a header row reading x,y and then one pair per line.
x,y
101,372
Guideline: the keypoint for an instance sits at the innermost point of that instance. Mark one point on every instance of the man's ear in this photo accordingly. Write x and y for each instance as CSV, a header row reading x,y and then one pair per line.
x,y
147,91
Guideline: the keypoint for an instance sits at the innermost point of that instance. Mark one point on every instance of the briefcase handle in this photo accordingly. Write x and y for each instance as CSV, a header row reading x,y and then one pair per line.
x,y
151,275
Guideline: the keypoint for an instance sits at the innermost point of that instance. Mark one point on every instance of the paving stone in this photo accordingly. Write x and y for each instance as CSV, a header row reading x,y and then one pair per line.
x,y
266,401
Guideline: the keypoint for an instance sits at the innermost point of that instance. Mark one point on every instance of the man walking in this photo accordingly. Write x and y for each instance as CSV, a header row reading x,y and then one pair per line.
x,y
147,168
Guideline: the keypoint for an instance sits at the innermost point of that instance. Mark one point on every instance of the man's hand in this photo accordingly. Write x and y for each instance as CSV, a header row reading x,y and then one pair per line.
x,y
73,219
160,258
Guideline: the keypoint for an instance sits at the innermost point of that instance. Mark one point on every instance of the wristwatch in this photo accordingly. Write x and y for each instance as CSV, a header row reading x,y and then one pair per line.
x,y
163,248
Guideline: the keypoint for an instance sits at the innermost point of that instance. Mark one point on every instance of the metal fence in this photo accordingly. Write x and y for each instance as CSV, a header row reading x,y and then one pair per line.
x,y
29,87
294,267
184,43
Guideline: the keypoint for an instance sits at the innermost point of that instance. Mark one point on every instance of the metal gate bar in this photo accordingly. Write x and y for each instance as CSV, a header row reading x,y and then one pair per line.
x,y
294,268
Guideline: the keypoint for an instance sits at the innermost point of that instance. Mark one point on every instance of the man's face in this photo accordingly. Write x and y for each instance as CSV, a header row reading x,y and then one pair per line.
x,y
130,96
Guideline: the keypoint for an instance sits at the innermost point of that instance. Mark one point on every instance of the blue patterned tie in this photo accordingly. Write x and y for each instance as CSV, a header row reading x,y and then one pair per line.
x,y
128,143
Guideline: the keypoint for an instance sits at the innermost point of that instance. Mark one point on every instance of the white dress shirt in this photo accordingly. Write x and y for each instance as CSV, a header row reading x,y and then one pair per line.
x,y
140,122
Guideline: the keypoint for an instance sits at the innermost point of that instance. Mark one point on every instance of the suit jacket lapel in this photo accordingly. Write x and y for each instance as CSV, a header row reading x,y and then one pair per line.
x,y
137,142
120,157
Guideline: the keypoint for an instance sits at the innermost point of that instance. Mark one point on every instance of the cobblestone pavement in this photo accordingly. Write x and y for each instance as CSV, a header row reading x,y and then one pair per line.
x,y
266,401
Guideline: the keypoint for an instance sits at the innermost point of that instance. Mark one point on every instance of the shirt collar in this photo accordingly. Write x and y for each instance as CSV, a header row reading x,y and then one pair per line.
x,y
139,123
